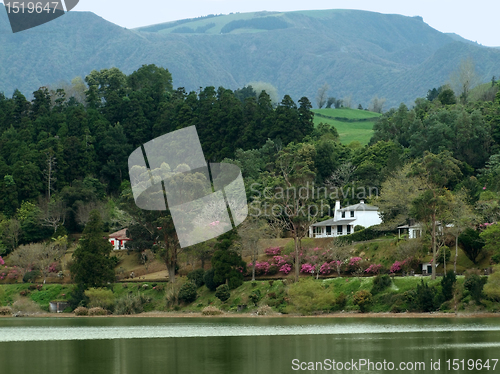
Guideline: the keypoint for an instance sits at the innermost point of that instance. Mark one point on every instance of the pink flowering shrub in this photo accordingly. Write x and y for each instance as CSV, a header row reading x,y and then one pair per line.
x,y
281,260
325,268
307,268
2,262
273,251
54,267
396,266
373,269
354,261
261,267
481,226
405,265
13,274
285,269
330,267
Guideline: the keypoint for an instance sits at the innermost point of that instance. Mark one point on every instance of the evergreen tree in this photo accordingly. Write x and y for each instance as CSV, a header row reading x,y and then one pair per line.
x,y
227,264
92,266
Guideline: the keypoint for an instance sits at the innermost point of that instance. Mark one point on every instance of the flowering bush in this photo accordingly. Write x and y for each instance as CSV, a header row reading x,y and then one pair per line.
x,y
285,269
261,267
354,261
373,269
325,268
481,226
396,266
273,251
2,262
307,268
13,274
354,264
329,267
54,267
281,260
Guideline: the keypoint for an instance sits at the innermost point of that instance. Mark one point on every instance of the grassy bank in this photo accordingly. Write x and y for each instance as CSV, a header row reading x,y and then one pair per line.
x,y
306,297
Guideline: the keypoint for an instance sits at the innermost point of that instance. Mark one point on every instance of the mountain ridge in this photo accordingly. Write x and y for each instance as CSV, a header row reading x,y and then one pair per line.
x,y
358,53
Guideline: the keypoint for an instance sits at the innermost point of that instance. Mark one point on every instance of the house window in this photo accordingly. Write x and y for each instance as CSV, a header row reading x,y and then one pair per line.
x,y
339,230
112,242
343,214
328,230
317,230
348,229
352,213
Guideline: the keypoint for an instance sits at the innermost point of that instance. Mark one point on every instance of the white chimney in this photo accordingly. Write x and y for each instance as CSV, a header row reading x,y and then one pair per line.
x,y
337,205
361,201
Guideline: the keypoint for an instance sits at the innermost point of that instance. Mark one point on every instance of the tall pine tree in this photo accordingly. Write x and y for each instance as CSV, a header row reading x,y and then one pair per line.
x,y
92,265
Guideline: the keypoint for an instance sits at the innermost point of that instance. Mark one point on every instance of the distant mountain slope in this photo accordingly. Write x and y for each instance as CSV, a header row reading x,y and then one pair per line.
x,y
357,53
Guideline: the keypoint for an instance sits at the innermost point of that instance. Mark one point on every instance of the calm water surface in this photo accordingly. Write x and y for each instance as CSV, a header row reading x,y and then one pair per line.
x,y
240,345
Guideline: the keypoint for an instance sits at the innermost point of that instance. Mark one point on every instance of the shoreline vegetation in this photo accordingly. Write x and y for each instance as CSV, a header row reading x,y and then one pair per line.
x,y
378,296
158,314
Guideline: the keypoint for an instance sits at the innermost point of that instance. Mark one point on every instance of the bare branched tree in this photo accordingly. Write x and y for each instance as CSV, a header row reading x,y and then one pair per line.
x,y
342,176
36,256
340,253
464,79
321,96
50,169
48,254
377,105
347,101
52,213
250,232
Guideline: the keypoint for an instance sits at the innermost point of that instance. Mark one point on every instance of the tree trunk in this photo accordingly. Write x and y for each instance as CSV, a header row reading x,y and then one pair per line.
x,y
433,246
171,272
254,260
297,262
456,255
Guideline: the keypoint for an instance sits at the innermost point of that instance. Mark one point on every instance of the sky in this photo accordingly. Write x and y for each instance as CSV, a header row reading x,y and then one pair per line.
x,y
474,20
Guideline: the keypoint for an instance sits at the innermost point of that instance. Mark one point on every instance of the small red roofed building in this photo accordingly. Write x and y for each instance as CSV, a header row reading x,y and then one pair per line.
x,y
118,239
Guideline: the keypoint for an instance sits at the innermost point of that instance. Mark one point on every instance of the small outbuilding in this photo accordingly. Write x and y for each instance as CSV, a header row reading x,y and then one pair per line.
x,y
118,239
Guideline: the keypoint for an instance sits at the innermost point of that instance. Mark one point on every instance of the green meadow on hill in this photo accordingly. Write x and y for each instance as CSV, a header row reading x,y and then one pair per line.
x,y
352,124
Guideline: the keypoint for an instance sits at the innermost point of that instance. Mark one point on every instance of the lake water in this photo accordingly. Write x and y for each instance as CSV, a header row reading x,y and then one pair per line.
x,y
246,345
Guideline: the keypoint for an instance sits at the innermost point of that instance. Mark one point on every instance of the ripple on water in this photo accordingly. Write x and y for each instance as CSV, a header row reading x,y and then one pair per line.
x,y
24,334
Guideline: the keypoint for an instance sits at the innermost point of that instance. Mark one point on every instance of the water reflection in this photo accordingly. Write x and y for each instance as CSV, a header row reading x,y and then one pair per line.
x,y
140,345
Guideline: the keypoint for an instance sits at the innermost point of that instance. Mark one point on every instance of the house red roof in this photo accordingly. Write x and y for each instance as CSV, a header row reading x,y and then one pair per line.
x,y
119,235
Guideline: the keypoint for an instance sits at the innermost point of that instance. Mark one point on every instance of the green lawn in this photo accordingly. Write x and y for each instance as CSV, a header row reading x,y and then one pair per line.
x,y
360,131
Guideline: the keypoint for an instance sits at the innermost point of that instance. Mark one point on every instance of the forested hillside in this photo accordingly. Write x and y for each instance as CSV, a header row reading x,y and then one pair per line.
x,y
66,151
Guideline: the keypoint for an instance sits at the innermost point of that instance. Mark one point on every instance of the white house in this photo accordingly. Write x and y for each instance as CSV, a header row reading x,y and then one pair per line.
x,y
414,231
345,219
118,239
